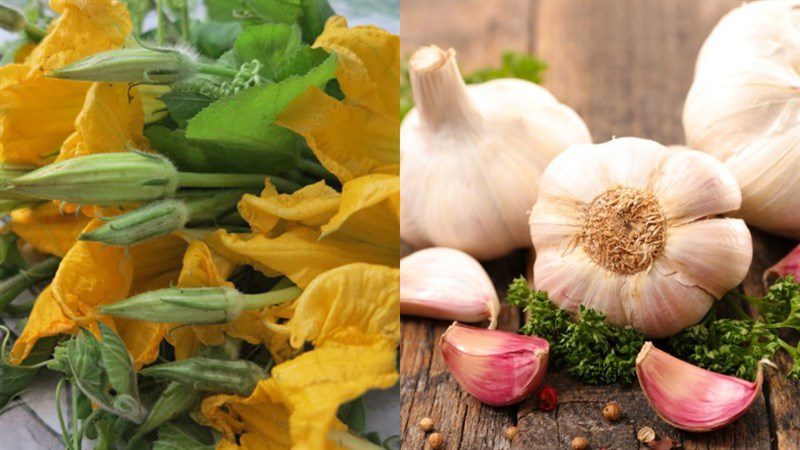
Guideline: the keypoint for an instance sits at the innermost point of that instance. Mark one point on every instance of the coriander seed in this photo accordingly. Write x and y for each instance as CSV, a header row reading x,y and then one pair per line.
x,y
646,435
435,440
612,412
511,432
579,443
426,424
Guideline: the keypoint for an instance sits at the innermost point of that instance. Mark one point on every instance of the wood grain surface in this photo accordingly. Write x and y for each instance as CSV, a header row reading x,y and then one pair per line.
x,y
625,67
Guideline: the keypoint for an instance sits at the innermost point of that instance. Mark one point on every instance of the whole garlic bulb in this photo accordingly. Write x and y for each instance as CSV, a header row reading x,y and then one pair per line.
x,y
744,108
625,228
472,156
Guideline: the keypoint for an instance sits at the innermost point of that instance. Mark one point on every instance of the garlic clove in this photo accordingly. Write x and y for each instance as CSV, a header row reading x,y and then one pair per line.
x,y
691,398
693,184
789,265
444,283
719,251
497,367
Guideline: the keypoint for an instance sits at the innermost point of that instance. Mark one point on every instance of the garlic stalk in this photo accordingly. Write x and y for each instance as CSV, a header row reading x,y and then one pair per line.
x,y
472,156
691,398
497,367
444,283
625,228
744,108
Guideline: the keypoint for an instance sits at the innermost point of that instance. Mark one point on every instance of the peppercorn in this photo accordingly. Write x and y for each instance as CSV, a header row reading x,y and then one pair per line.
x,y
645,435
426,424
612,412
579,443
511,432
435,440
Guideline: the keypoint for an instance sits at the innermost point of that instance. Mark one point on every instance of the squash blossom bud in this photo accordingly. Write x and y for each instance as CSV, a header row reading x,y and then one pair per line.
x,y
163,217
195,306
176,399
102,179
11,19
150,221
132,65
205,374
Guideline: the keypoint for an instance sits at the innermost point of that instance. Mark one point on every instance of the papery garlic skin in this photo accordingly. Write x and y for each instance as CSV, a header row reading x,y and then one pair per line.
x,y
788,265
497,367
444,283
472,156
744,108
689,397
623,227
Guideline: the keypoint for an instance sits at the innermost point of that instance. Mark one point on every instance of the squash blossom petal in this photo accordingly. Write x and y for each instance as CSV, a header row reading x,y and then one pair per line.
x,y
109,121
298,253
359,135
369,212
313,205
46,229
37,113
357,296
310,388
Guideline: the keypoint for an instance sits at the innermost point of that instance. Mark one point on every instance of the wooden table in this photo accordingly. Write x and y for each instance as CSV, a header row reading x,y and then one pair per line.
x,y
625,67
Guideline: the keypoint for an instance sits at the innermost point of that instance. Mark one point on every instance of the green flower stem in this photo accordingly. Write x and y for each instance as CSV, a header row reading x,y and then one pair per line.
x,y
316,169
223,180
34,33
76,443
161,28
184,9
89,420
10,288
61,422
271,298
220,71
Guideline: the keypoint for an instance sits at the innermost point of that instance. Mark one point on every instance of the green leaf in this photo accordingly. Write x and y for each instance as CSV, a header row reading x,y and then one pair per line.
x,y
105,426
315,14
354,415
183,105
246,119
16,379
208,157
303,60
213,38
271,44
254,11
84,357
118,363
173,436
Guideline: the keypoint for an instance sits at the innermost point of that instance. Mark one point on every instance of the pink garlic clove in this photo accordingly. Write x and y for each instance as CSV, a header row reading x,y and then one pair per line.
x,y
444,283
689,397
497,367
789,265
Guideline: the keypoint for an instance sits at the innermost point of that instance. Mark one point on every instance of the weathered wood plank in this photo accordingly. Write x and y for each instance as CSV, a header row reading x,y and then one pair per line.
x,y
478,30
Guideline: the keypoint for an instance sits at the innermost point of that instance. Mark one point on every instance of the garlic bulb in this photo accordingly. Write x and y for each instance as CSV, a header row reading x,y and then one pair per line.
x,y
788,265
444,283
497,367
472,156
744,108
623,227
691,398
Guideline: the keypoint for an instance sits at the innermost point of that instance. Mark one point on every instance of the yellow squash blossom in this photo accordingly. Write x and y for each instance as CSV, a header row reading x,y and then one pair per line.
x,y
93,274
37,113
351,315
204,268
359,135
363,225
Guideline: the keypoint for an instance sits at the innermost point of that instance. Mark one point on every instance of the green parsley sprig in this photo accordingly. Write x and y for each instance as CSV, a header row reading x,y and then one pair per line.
x,y
734,346
585,346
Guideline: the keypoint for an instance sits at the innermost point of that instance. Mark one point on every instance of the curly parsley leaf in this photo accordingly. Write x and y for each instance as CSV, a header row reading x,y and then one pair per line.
x,y
587,347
